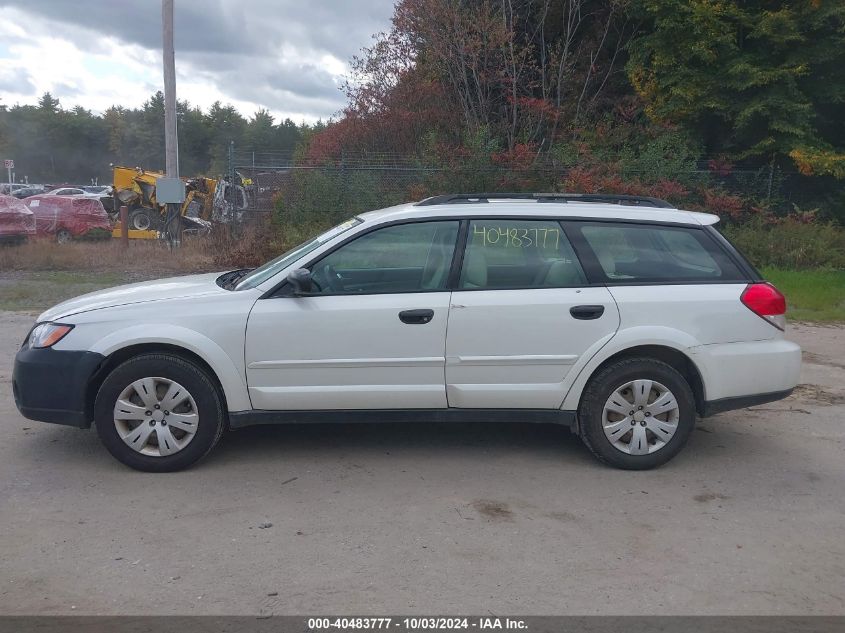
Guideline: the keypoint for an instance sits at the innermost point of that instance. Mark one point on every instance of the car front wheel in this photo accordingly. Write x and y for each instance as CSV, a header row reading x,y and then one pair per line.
x,y
636,413
159,413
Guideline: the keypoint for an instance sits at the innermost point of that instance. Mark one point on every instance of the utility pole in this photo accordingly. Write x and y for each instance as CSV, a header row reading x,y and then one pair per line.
x,y
173,223
171,140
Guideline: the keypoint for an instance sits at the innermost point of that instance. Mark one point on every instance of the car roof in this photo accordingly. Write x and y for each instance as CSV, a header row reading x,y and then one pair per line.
x,y
535,209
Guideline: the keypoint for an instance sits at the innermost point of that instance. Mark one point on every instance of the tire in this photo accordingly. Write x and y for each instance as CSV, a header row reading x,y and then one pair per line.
x,y
639,442
197,404
143,219
63,236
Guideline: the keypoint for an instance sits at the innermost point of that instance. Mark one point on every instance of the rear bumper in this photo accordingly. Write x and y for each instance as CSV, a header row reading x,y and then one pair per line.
x,y
712,407
51,385
758,370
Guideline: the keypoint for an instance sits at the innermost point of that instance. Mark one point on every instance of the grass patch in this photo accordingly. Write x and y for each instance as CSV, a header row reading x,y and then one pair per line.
x,y
251,246
35,291
811,295
144,256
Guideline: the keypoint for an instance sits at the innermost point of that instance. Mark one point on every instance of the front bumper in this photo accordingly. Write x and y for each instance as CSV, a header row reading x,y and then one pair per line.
x,y
52,385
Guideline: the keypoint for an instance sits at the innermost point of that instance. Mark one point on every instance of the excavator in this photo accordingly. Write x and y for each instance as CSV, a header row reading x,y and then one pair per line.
x,y
206,200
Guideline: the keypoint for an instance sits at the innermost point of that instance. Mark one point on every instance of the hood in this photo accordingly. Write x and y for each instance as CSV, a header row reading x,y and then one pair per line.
x,y
145,291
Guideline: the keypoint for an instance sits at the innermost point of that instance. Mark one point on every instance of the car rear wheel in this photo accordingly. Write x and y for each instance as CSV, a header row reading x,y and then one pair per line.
x,y
636,413
159,413
63,236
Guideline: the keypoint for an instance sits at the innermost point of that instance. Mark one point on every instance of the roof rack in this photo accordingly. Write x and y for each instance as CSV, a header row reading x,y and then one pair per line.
x,y
607,198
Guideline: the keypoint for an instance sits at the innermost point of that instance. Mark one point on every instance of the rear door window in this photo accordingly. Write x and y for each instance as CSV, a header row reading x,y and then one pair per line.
x,y
630,253
505,253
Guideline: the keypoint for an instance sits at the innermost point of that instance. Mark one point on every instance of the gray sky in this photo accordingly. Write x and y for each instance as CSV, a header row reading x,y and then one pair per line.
x,y
288,56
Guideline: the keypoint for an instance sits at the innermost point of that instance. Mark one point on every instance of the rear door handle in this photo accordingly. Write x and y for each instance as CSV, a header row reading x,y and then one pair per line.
x,y
586,312
416,317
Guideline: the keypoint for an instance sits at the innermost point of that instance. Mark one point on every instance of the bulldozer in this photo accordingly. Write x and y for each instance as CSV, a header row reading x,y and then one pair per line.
x,y
206,200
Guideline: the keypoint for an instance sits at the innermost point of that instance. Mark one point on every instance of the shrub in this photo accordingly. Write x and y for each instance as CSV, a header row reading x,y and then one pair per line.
x,y
723,204
668,156
790,243
247,247
327,196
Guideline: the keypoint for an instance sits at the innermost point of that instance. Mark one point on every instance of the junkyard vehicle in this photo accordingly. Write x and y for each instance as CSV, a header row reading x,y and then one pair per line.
x,y
73,191
17,223
6,188
616,315
31,190
99,190
69,217
205,199
92,193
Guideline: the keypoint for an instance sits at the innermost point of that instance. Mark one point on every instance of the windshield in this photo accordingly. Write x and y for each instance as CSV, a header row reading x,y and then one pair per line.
x,y
264,272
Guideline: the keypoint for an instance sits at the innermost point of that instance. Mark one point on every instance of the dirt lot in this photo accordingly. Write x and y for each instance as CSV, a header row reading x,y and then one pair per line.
x,y
432,518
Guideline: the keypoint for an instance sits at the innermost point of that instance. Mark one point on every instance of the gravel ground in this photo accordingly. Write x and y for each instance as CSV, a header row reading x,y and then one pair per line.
x,y
418,519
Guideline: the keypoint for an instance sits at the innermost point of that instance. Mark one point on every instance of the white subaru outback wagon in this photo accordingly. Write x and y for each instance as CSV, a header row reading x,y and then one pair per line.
x,y
619,316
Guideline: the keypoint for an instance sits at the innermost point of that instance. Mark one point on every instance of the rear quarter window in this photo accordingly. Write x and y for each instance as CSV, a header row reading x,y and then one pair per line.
x,y
631,253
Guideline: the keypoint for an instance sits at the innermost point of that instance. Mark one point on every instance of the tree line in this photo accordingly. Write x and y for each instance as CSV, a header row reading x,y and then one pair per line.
x,y
50,144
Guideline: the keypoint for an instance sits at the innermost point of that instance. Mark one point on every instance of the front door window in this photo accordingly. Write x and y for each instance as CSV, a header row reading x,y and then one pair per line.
x,y
400,258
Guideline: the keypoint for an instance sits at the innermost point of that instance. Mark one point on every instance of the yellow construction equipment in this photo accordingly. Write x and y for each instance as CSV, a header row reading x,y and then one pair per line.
x,y
136,188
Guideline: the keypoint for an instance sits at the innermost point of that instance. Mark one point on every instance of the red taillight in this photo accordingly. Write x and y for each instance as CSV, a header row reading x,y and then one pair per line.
x,y
764,300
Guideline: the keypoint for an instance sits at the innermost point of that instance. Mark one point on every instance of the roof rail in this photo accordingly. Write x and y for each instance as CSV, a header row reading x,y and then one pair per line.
x,y
607,198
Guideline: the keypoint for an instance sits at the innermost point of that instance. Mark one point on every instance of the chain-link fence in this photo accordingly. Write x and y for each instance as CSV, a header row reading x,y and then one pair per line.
x,y
279,181
295,188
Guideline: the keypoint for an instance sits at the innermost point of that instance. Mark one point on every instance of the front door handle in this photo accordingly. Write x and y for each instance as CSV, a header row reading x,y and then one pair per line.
x,y
416,317
586,312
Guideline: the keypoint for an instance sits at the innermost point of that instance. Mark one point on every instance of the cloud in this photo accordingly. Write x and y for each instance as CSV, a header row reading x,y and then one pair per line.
x,y
288,56
16,81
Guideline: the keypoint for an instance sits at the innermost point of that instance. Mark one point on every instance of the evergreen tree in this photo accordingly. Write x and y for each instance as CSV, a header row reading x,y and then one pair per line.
x,y
260,132
753,79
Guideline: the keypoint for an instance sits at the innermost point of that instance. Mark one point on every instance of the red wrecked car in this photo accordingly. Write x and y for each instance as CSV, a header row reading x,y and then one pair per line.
x,y
67,217
16,221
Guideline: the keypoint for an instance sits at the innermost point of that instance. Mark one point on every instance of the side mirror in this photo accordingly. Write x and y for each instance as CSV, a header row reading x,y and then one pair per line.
x,y
300,280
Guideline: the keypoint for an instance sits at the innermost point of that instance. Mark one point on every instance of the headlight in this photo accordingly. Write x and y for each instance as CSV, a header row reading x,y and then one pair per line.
x,y
47,334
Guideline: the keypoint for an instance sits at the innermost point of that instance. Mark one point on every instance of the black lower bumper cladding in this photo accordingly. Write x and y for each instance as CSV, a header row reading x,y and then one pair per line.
x,y
712,407
51,385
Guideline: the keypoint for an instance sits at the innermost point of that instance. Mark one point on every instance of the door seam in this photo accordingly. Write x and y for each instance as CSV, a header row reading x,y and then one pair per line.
x,y
445,347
